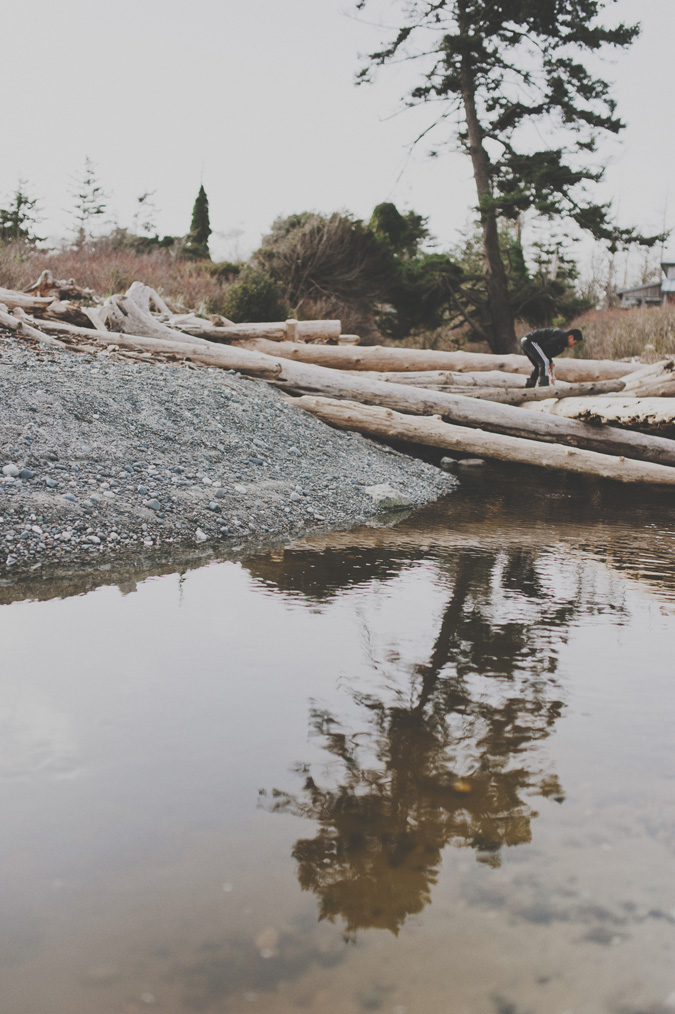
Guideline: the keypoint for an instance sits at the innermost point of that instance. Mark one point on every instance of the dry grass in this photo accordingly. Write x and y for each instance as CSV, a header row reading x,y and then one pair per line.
x,y
620,334
190,284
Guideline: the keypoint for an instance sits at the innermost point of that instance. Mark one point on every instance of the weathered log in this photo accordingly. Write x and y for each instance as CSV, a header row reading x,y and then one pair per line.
x,y
23,327
68,311
304,378
33,303
654,372
656,415
443,379
305,331
520,396
382,358
63,288
130,314
225,357
386,424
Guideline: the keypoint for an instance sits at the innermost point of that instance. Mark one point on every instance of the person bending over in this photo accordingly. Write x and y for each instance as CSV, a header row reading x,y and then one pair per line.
x,y
541,346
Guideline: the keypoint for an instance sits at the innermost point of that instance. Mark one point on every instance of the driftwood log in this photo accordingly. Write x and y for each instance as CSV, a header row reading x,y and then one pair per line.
x,y
24,327
386,424
303,378
275,331
35,304
656,415
520,396
444,379
254,364
131,314
382,358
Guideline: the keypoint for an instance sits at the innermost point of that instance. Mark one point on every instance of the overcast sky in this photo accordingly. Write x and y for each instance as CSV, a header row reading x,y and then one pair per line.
x,y
256,98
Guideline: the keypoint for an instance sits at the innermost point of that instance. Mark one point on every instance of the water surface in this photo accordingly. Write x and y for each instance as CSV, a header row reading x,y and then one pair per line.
x,y
420,769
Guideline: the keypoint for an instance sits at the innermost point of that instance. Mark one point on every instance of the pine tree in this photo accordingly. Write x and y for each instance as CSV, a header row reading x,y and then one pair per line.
x,y
18,220
89,202
200,229
500,68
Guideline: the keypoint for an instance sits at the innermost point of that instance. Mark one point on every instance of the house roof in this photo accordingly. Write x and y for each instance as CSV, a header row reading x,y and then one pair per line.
x,y
648,285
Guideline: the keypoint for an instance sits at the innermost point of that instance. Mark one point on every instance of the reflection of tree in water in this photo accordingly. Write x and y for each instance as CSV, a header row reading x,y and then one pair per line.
x,y
448,761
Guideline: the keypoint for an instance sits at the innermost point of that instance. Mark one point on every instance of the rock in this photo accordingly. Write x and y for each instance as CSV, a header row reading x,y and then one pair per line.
x,y
221,493
70,497
93,540
153,504
10,470
294,497
470,463
200,536
387,498
213,506
52,483
143,490
26,473
449,464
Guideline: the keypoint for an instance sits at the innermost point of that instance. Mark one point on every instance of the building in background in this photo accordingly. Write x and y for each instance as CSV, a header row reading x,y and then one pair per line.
x,y
653,293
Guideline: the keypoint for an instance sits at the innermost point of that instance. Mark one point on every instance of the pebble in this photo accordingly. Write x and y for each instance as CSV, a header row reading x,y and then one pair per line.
x,y
200,536
52,483
294,497
70,497
26,473
93,540
153,504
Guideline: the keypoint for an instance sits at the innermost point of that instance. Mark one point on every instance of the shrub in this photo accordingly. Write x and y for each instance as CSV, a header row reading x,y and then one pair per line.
x,y
254,297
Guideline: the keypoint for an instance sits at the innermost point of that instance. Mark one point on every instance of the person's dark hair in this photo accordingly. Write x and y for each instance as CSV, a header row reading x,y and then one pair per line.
x,y
576,334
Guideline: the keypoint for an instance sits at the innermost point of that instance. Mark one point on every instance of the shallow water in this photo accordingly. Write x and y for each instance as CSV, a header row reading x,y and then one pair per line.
x,y
422,769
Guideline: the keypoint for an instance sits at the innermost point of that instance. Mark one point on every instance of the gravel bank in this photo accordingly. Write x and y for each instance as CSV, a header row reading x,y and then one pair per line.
x,y
100,455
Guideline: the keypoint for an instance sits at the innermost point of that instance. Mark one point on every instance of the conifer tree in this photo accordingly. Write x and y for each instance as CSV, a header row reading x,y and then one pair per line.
x,y
89,202
18,220
500,68
200,229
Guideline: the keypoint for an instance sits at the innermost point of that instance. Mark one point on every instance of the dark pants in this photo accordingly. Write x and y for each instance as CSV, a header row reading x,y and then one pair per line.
x,y
540,361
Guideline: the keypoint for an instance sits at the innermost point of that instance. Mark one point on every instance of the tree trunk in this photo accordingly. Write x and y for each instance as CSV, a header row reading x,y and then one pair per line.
x,y
388,425
501,334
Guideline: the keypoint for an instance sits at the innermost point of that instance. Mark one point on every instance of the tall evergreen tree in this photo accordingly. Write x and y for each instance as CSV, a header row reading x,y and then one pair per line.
x,y
200,229
89,202
499,67
18,220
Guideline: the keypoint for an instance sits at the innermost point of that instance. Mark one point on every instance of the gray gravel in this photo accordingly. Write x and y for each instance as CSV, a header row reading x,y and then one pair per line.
x,y
99,455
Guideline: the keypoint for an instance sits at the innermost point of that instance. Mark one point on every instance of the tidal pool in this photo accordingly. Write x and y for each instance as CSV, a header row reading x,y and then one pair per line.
x,y
418,769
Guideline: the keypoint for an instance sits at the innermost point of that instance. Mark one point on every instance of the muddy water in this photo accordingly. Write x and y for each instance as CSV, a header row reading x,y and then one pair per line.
x,y
422,769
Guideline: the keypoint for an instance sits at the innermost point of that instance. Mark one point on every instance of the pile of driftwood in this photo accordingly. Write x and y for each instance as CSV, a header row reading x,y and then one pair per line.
x,y
602,417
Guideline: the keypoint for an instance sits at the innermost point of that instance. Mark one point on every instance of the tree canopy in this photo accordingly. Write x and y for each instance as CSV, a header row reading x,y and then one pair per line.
x,y
508,73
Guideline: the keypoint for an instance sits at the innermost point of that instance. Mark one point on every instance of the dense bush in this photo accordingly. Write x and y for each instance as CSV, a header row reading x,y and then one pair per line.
x,y
254,297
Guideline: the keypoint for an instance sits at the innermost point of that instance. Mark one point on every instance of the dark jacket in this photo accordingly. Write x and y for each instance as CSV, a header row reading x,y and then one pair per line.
x,y
550,340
